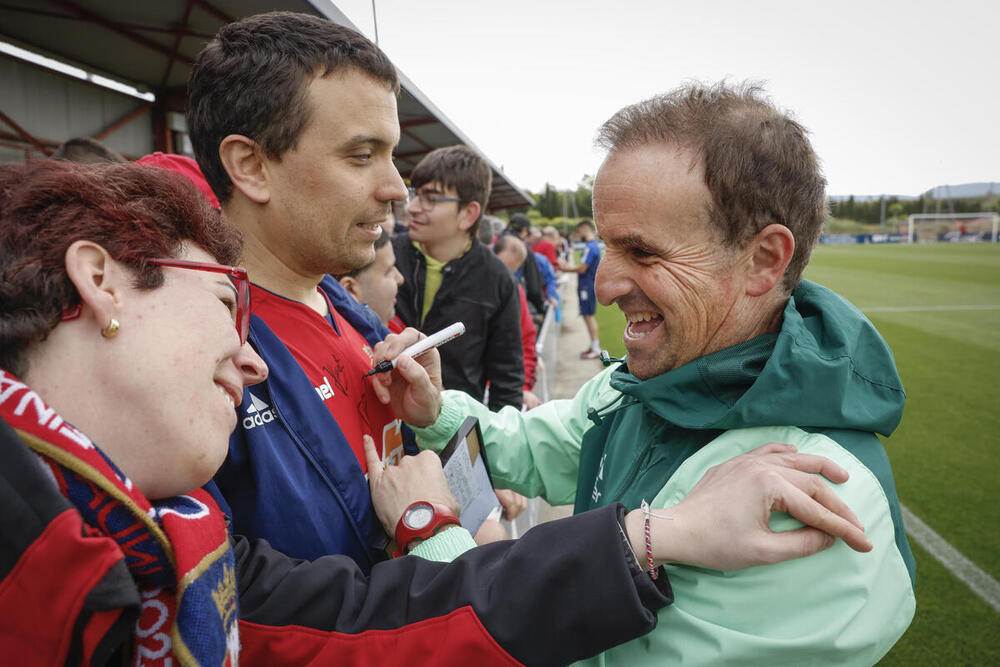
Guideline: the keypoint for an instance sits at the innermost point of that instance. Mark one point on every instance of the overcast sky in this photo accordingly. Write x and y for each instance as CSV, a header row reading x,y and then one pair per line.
x,y
899,96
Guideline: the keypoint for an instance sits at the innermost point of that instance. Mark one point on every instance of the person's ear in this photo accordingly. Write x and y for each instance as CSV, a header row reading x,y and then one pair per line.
x,y
353,287
98,279
243,160
771,251
468,215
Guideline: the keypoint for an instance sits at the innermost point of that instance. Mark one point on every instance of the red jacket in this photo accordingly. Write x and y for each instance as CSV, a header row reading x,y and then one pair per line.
x,y
546,248
529,334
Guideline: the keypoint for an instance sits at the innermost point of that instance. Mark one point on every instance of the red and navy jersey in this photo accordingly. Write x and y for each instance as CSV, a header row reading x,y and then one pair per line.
x,y
396,325
292,475
335,358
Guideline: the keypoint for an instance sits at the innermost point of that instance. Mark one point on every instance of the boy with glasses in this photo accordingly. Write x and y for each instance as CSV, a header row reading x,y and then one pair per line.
x,y
450,276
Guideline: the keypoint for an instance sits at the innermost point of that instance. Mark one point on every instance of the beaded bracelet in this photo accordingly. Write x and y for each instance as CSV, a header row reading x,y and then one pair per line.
x,y
653,573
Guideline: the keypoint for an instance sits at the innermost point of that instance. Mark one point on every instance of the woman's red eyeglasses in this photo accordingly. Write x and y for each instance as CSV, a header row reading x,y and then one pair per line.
x,y
236,274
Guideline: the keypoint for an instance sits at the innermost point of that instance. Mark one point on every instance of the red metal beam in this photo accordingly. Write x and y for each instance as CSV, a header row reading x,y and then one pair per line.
x,y
174,99
10,136
24,135
91,17
163,139
8,140
427,148
121,122
177,44
14,141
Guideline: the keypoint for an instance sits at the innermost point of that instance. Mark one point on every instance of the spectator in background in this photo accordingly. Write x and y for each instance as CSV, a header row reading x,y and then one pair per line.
x,y
401,218
376,284
389,224
565,246
528,274
549,279
586,270
84,150
544,247
450,276
531,274
512,252
488,230
559,243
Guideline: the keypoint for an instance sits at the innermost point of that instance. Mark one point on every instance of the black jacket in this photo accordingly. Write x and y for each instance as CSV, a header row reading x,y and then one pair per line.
x,y
480,291
566,590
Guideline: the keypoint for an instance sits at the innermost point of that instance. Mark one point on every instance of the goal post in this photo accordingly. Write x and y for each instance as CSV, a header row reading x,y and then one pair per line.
x,y
977,223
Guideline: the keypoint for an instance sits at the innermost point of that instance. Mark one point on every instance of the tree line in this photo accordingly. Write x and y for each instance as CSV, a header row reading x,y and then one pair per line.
x,y
870,211
552,203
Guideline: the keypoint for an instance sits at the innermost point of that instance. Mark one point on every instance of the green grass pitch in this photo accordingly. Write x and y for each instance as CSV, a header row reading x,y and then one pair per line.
x,y
938,306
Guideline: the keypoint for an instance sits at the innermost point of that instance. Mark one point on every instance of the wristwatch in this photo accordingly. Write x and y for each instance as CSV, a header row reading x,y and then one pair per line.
x,y
421,520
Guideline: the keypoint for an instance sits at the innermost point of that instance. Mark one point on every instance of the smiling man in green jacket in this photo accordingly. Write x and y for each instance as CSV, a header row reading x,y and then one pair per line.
x,y
709,202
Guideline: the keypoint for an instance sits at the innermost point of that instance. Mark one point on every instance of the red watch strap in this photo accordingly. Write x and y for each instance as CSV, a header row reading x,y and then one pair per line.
x,y
442,516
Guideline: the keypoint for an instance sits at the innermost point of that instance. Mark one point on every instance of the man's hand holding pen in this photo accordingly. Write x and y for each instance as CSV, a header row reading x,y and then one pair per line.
x,y
413,388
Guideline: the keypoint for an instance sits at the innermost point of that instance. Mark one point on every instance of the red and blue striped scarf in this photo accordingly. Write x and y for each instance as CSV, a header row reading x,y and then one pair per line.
x,y
177,549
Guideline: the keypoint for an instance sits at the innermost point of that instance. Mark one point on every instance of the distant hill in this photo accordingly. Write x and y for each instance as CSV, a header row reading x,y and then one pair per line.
x,y
866,198
965,191
962,191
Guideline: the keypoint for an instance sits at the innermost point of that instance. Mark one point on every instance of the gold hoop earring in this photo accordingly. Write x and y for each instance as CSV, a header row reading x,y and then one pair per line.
x,y
111,330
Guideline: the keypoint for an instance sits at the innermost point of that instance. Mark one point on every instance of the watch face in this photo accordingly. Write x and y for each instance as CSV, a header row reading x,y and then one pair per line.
x,y
419,516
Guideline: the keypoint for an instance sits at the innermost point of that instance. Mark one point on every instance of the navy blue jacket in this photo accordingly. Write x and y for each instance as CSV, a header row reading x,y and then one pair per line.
x,y
291,476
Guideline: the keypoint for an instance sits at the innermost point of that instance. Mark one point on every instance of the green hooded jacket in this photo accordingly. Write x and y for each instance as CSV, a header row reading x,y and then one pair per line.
x,y
826,383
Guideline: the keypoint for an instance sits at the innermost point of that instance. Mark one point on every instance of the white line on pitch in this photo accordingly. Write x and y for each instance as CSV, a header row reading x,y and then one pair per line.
x,y
921,309
981,583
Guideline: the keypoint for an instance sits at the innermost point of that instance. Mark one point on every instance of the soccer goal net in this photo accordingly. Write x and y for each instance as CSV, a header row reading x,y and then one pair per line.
x,y
929,227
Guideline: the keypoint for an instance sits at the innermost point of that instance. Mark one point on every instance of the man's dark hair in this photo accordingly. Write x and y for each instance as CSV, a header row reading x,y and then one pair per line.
x,y
586,223
85,150
759,165
519,222
461,168
253,79
379,242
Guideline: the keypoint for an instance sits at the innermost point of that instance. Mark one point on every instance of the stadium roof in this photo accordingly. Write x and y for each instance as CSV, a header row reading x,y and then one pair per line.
x,y
152,45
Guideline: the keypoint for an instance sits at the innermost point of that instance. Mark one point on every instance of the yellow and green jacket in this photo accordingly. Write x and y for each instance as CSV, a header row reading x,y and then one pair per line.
x,y
825,382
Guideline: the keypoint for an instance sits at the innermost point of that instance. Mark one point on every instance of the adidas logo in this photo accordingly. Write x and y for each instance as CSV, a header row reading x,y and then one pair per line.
x,y
258,413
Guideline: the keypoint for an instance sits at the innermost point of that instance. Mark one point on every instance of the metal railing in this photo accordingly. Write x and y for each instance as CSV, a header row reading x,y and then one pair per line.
x,y
545,348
